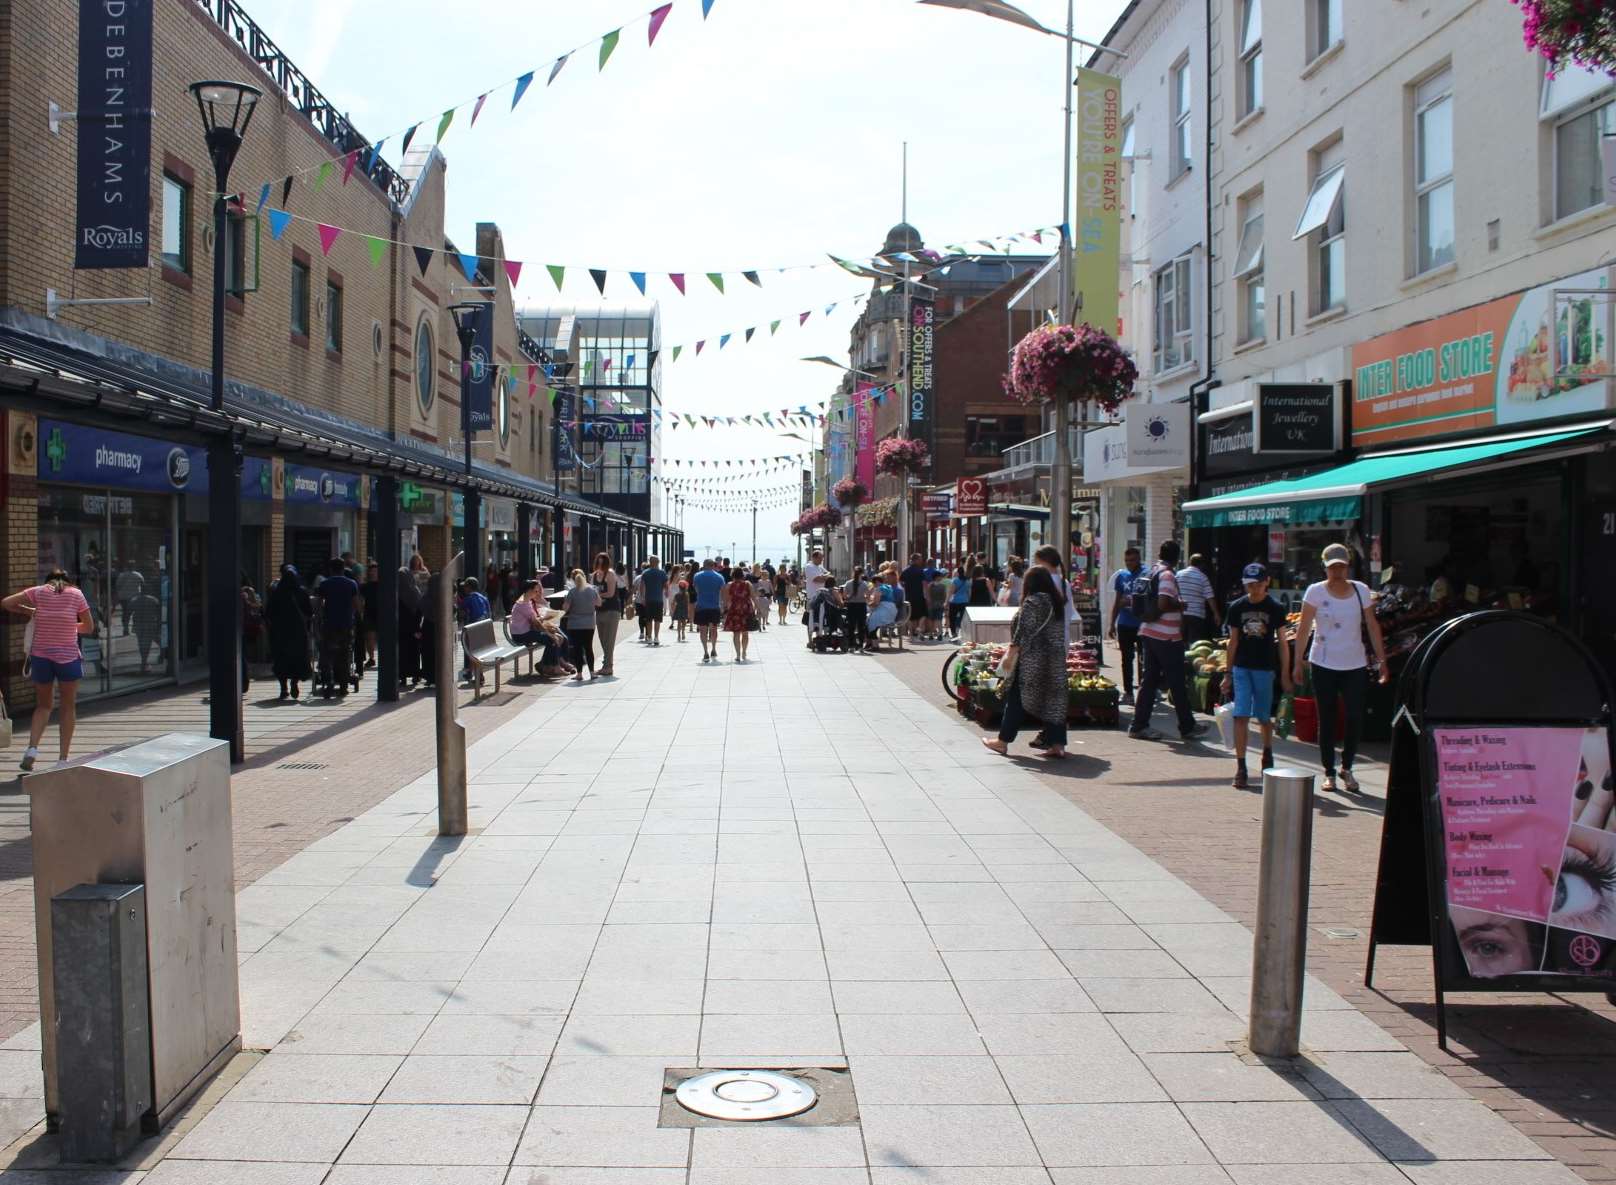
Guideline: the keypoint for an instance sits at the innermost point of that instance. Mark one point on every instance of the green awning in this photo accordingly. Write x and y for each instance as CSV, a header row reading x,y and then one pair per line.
x,y
1336,495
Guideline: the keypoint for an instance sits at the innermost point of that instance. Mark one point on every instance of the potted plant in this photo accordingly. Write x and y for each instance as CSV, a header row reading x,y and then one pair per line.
x,y
1077,363
1575,32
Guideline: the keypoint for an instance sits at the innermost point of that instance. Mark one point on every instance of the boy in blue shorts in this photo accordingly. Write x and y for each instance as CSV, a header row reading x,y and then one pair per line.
x,y
1257,652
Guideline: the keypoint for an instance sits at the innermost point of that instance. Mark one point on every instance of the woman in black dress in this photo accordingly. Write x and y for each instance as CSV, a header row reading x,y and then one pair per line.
x,y
981,586
288,614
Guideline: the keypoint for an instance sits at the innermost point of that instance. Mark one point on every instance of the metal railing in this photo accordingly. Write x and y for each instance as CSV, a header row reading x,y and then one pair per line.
x,y
1040,450
305,96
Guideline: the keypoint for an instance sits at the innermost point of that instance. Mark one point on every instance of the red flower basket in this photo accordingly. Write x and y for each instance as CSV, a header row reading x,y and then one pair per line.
x,y
851,492
901,456
1575,32
1074,363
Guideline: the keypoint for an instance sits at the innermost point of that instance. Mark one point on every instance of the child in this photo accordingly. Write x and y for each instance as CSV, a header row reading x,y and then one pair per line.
x,y
1257,651
937,590
681,608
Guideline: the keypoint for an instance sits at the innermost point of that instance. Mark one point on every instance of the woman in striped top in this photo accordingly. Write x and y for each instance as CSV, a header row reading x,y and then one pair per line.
x,y
60,615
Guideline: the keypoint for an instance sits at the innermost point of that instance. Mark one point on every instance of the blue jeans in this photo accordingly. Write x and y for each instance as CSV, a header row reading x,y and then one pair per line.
x,y
1164,669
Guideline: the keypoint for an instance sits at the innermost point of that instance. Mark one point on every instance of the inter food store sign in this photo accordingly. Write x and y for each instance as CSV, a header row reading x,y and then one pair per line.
x,y
1539,354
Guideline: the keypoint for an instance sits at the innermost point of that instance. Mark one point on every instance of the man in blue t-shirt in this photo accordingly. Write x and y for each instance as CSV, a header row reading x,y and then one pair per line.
x,y
709,585
654,587
340,606
1124,625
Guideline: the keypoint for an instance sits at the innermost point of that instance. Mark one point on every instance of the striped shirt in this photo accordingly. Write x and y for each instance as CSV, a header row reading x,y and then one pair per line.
x,y
1197,591
56,622
1169,627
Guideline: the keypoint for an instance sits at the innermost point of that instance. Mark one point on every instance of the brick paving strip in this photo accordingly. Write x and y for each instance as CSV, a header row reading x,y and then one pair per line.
x,y
799,861
1545,1063
364,752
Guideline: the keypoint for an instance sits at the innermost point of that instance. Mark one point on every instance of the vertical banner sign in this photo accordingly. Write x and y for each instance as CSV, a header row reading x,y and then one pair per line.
x,y
480,383
566,411
864,435
807,489
922,322
1097,237
113,227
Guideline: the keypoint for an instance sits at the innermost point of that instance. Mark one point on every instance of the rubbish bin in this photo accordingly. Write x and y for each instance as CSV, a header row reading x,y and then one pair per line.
x,y
155,813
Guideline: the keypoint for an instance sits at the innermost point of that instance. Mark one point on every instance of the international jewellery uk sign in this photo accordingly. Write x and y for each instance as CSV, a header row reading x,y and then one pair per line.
x,y
113,226
922,325
1296,418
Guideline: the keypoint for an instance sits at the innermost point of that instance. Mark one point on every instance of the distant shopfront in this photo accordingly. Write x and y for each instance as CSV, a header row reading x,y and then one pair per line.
x,y
322,515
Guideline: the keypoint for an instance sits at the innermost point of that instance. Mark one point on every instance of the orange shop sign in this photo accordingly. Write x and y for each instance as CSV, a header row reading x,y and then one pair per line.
x,y
1540,354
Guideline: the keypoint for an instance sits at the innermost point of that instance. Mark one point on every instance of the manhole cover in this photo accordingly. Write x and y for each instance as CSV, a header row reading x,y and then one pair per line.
x,y
746,1094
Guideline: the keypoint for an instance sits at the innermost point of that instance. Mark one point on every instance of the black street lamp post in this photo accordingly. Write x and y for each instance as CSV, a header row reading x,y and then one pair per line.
x,y
227,108
464,315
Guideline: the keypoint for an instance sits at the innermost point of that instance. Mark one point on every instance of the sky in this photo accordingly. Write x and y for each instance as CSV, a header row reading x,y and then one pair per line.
x,y
763,137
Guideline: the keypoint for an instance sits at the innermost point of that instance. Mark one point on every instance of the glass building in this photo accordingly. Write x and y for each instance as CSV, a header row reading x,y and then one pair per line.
x,y
617,375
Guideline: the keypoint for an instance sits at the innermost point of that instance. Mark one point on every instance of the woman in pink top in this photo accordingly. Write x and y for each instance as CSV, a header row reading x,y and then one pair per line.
x,y
60,615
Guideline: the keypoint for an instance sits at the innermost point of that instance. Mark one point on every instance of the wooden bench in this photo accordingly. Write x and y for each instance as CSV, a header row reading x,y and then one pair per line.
x,y
484,650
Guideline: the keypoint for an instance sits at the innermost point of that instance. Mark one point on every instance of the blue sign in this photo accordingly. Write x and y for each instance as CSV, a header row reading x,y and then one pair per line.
x,y
117,460
114,134
480,382
320,486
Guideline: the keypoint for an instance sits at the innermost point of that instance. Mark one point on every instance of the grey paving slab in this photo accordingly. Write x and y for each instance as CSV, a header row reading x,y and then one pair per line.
x,y
1438,1129
764,1149
884,1079
1305,1174
1225,1078
923,1034
317,1078
947,1135
991,997
1377,1076
1280,1133
271,1131
1485,1172
465,1078
196,1172
1099,1075
552,1175
415,1174
1187,1174
603,1081
435,1134
952,1176
631,1035
607,1137
1114,1134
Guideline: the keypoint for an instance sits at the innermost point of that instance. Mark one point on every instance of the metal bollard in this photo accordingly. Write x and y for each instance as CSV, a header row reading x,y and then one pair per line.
x,y
1279,955
451,734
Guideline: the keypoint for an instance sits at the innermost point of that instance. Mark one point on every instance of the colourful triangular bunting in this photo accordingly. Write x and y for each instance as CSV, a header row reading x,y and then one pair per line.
x,y
678,279
444,121
279,220
319,177
677,350
607,44
513,272
522,84
639,281
753,276
423,258
478,109
378,248
328,236
599,276
557,273
348,163
556,69
468,265
718,280
658,15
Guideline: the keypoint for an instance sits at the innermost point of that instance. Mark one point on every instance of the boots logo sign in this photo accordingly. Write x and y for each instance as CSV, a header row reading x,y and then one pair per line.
x,y
970,497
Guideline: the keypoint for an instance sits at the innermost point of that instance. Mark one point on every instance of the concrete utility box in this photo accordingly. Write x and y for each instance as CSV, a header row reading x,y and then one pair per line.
x,y
987,623
155,813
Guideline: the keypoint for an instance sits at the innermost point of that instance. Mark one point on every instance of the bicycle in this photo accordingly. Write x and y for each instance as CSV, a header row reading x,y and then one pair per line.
x,y
799,601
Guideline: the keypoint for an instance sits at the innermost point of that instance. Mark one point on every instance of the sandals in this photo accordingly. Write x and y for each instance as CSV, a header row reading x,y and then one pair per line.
x,y
994,745
1329,781
1349,782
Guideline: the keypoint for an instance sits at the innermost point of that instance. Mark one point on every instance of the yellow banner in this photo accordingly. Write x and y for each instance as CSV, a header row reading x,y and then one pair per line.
x,y
1097,237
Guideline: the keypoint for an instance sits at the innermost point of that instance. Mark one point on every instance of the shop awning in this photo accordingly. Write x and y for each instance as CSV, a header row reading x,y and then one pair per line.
x,y
1336,495
1018,510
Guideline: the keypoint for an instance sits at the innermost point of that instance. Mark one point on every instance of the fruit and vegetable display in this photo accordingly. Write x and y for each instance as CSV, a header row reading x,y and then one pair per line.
x,y
979,690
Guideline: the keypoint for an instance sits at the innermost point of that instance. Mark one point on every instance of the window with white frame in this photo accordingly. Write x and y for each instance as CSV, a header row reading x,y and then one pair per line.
x,y
1174,330
1325,33
1248,270
1433,172
1183,151
1127,155
1581,103
1250,57
1324,225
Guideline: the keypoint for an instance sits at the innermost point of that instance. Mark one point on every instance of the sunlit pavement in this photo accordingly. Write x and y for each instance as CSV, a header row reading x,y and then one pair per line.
x,y
799,861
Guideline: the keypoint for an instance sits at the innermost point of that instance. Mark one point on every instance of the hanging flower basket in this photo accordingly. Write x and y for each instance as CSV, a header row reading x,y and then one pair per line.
x,y
821,517
1571,32
851,492
883,512
1076,364
796,526
900,457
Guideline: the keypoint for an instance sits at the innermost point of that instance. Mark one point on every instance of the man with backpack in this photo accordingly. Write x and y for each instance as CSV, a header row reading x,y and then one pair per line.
x,y
1156,603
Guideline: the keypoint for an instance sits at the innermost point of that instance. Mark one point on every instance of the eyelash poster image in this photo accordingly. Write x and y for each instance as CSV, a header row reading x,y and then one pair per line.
x,y
1527,819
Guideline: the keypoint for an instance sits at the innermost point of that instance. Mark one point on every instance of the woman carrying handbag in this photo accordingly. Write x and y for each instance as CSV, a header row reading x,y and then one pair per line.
x,y
1034,668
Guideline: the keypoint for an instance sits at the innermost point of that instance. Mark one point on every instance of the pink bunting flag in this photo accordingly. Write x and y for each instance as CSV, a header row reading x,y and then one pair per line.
x,y
348,163
478,109
658,15
699,346
678,279
803,319
328,235
513,272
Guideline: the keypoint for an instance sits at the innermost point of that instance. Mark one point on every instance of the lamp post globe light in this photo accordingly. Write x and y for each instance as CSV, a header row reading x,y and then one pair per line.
x,y
464,315
226,109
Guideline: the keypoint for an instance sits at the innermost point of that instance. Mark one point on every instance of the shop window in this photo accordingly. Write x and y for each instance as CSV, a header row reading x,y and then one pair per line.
x,y
1581,104
1174,333
425,364
1251,96
235,253
300,298
502,409
1181,107
333,316
176,224
1324,27
1324,225
989,436
1433,172
1248,271
1131,194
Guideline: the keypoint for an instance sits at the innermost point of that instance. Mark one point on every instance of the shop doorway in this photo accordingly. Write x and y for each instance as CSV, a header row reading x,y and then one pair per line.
x,y
193,610
1597,579
310,549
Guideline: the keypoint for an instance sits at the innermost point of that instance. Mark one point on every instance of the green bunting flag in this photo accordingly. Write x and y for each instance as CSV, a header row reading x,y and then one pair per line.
x,y
774,327
557,273
718,280
444,122
607,44
378,248
319,178
677,350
